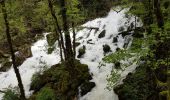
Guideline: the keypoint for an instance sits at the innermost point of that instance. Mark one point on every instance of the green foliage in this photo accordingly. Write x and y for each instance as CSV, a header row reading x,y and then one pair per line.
x,y
117,56
113,79
10,94
46,93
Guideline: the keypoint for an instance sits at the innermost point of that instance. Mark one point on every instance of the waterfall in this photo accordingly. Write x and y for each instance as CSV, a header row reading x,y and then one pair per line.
x,y
92,57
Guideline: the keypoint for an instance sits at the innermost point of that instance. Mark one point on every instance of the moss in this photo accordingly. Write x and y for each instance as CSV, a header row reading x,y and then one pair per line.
x,y
50,50
81,51
51,39
5,64
58,78
46,93
86,87
136,86
10,95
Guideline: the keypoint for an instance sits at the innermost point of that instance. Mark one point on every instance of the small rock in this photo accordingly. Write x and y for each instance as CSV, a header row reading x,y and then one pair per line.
x,y
50,50
124,33
106,48
115,40
90,41
81,51
77,44
121,29
117,49
117,65
102,34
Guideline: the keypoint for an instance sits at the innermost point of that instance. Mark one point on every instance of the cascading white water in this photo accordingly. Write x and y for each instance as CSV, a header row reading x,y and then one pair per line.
x,y
93,56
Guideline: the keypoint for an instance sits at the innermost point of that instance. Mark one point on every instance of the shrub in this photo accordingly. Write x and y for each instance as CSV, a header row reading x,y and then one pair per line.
x,y
10,95
46,94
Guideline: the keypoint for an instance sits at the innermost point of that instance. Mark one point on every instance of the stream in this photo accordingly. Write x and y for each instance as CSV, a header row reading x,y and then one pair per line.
x,y
93,56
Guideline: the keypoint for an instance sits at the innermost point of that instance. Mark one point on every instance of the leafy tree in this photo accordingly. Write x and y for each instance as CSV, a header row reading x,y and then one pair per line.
x,y
11,49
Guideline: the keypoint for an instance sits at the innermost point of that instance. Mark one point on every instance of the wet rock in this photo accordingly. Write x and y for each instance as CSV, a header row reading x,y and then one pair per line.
x,y
22,54
77,44
51,39
124,33
102,34
81,51
117,65
106,48
121,29
115,40
127,41
25,50
89,41
87,87
117,49
50,50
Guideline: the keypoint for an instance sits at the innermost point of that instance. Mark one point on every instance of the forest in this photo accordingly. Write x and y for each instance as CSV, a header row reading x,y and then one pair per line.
x,y
84,49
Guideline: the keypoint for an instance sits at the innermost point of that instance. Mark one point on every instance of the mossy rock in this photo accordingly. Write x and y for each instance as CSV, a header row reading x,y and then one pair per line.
x,y
3,55
81,51
46,93
5,64
51,38
137,86
25,51
106,48
50,50
38,81
102,34
87,87
59,79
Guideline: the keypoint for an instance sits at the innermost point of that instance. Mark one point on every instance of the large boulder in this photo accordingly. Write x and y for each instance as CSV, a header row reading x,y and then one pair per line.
x,y
102,34
22,54
81,51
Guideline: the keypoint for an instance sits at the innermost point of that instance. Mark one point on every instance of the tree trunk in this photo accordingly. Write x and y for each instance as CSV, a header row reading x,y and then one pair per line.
x,y
158,13
58,27
69,51
22,96
74,40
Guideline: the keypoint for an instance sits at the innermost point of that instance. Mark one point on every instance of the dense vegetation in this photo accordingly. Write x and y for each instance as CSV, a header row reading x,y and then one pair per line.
x,y
150,81
22,22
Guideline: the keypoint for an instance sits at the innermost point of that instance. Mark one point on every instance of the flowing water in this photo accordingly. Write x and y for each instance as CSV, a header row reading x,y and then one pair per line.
x,y
92,57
